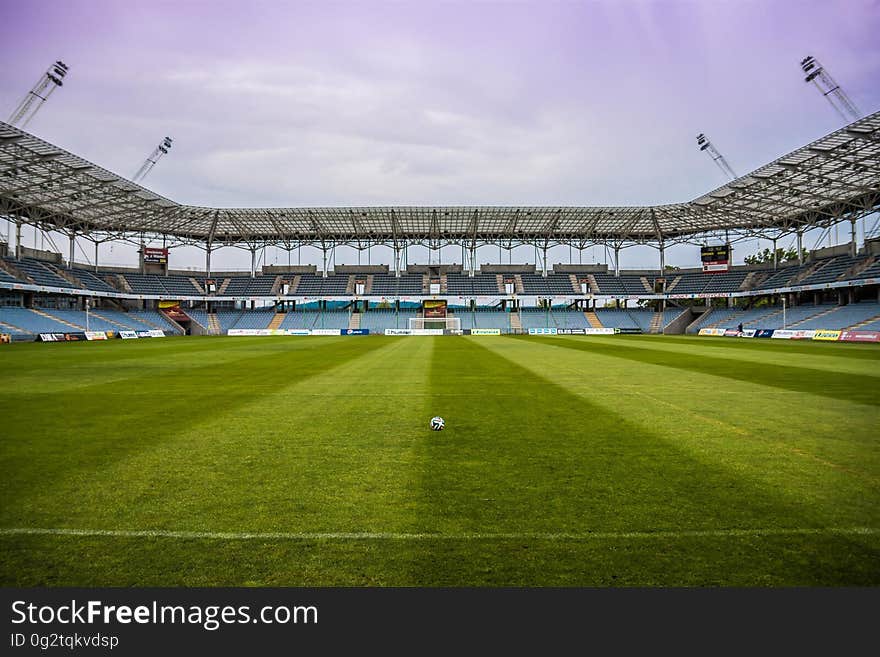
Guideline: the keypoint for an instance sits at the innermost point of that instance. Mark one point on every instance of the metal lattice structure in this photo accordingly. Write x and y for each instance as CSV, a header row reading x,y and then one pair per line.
x,y
832,179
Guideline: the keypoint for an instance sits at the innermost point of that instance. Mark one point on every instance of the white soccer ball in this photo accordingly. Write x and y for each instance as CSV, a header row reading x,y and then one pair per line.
x,y
437,423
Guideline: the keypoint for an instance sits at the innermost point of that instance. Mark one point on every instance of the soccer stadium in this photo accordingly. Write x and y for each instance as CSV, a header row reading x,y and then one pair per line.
x,y
449,422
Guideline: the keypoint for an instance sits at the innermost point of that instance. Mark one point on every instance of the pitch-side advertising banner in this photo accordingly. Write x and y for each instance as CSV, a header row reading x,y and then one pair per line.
x,y
391,331
764,333
354,331
596,331
96,335
793,334
748,333
712,331
324,332
543,331
485,331
128,335
860,336
825,334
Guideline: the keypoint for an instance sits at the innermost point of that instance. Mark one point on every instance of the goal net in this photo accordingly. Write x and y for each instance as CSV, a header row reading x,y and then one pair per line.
x,y
445,323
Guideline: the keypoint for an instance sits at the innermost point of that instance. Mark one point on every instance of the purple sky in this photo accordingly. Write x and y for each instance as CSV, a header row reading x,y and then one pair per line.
x,y
415,103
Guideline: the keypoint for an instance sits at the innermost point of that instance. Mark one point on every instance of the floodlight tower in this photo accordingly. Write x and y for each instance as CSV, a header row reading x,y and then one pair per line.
x,y
706,145
150,162
816,74
33,101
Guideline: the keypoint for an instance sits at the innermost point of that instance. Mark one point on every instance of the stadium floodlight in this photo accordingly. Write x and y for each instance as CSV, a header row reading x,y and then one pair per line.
x,y
816,73
706,145
39,94
150,162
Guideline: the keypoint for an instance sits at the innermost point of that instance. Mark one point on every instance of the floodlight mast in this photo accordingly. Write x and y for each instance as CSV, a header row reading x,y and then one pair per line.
x,y
33,101
706,145
817,74
150,162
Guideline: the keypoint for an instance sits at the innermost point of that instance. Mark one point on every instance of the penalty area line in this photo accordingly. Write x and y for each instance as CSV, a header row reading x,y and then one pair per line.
x,y
428,536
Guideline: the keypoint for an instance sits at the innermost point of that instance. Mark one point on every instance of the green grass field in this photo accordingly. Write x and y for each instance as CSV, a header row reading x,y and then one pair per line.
x,y
572,461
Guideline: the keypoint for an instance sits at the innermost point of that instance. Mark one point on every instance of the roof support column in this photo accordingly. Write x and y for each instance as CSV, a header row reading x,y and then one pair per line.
x,y
662,257
96,256
396,260
324,254
800,246
253,262
208,260
72,249
775,256
544,272
616,259
853,246
18,239
473,251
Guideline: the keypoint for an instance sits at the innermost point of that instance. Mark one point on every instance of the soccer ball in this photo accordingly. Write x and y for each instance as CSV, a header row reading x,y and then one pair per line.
x,y
437,423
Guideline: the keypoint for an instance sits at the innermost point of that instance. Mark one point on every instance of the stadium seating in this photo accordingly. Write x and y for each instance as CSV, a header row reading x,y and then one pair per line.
x,y
246,286
32,321
541,318
623,318
553,284
162,285
41,273
314,319
483,318
315,285
840,317
479,285
254,319
380,319
388,285
92,281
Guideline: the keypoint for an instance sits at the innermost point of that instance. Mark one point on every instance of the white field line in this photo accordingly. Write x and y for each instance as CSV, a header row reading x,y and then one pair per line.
x,y
463,536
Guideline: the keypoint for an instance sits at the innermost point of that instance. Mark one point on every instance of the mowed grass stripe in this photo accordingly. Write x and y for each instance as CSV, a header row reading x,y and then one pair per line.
x,y
822,461
817,356
72,439
54,368
850,350
846,386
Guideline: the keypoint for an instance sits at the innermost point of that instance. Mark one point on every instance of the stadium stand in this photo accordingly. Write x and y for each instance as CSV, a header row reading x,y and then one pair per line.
x,y
624,318
315,285
483,318
34,321
162,285
390,285
91,281
313,319
247,286
378,320
39,273
552,284
478,285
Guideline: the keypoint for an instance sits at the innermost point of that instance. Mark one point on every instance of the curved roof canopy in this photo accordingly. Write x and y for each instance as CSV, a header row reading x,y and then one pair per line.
x,y
835,177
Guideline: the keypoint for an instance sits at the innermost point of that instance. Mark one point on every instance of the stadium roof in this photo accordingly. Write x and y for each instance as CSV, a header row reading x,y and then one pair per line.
x,y
835,177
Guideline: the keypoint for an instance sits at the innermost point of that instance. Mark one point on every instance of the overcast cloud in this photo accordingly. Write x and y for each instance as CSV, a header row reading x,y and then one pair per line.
x,y
428,103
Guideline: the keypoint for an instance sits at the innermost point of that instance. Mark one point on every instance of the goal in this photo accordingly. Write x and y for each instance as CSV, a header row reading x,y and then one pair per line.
x,y
444,323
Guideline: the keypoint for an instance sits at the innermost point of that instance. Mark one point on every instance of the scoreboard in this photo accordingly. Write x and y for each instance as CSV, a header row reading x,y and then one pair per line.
x,y
155,256
715,258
